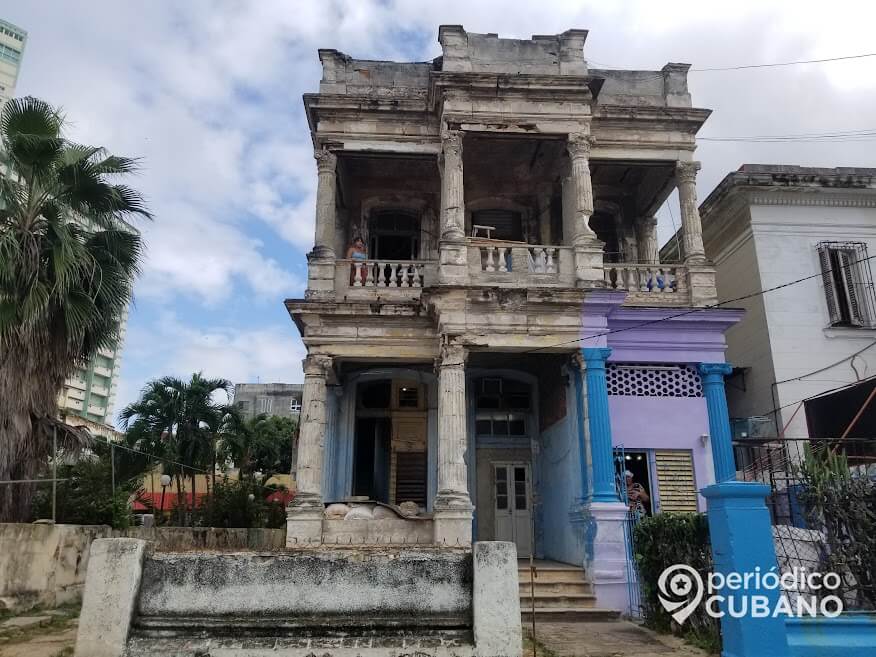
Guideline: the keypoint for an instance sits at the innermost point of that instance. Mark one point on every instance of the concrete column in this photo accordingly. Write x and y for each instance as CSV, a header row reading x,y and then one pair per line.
x,y
545,193
578,146
326,164
649,248
452,506
304,515
599,423
742,542
691,226
452,189
719,419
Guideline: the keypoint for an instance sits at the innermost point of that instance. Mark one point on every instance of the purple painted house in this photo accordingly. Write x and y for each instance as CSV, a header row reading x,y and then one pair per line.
x,y
492,341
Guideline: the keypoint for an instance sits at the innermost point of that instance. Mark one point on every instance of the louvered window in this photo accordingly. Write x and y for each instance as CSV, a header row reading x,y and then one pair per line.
x,y
675,480
848,283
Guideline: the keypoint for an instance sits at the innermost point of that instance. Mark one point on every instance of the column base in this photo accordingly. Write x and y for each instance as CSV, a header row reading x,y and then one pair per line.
x,y
304,520
608,556
452,515
452,262
588,263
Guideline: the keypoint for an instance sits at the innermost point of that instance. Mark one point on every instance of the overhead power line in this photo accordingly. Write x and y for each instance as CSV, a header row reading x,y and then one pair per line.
x,y
794,63
695,310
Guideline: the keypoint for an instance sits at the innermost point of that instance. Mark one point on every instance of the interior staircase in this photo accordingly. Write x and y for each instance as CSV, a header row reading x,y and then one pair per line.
x,y
561,594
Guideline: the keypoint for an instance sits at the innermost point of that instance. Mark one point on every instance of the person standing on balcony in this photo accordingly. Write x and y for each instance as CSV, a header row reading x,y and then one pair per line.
x,y
357,251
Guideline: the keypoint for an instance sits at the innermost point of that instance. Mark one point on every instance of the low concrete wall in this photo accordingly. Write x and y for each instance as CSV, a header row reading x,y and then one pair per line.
x,y
44,565
848,635
335,602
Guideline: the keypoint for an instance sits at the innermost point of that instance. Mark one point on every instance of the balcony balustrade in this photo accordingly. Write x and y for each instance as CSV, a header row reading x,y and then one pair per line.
x,y
513,264
387,278
648,284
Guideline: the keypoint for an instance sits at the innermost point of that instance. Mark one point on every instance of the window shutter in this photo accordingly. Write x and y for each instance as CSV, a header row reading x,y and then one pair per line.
x,y
675,480
829,288
847,266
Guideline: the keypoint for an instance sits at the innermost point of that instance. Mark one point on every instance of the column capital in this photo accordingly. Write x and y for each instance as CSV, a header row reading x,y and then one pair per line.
x,y
452,355
326,161
317,365
578,145
686,171
451,143
714,370
595,356
649,221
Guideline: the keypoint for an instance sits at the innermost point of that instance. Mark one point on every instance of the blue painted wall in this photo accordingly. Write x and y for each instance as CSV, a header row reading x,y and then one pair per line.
x,y
849,635
561,488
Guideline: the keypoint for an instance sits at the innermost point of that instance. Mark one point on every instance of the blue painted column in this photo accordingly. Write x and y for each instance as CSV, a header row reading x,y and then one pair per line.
x,y
604,489
719,419
742,542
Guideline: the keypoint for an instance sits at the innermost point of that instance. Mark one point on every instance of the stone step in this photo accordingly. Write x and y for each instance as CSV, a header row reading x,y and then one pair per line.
x,y
555,587
570,574
561,601
569,614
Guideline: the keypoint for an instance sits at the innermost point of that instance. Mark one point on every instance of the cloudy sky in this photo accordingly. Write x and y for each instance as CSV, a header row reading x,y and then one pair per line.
x,y
209,95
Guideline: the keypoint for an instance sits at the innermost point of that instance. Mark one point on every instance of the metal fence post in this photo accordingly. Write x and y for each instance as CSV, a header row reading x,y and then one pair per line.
x,y
113,461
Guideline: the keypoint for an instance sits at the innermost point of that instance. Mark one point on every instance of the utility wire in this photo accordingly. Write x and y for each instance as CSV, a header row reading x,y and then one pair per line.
x,y
695,310
794,63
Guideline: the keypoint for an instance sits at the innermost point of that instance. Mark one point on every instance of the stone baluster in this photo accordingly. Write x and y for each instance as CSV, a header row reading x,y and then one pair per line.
x,y
488,263
452,506
416,269
393,275
357,274
369,274
691,226
550,265
381,275
502,256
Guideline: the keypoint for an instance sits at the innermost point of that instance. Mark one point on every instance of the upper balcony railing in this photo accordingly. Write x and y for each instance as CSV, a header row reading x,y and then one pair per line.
x,y
496,263
515,264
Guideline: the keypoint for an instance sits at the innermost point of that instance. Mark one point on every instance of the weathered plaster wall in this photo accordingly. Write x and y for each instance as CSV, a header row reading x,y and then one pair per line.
x,y
326,587
45,564
664,423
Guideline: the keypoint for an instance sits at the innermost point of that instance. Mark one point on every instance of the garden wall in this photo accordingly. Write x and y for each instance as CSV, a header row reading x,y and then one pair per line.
x,y
45,564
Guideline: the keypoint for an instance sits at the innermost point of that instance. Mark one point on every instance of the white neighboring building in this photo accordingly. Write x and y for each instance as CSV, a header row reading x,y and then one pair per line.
x,y
12,41
768,225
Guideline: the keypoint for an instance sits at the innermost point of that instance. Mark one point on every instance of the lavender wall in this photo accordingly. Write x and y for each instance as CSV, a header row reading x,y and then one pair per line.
x,y
664,423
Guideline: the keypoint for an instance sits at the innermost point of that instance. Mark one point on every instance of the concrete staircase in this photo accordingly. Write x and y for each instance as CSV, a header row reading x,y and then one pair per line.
x,y
561,594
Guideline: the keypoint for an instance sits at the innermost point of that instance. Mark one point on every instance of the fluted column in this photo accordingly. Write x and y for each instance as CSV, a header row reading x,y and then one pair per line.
x,y
721,436
452,434
311,435
578,146
599,422
452,506
649,249
452,189
326,164
691,226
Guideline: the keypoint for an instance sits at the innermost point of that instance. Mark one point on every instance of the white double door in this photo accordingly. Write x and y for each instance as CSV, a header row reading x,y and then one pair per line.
x,y
512,499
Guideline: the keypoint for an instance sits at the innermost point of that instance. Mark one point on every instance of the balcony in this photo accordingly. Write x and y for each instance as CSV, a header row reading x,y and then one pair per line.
x,y
649,285
388,279
512,264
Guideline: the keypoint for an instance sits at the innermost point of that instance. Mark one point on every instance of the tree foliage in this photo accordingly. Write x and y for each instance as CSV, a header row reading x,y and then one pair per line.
x,y
67,264
260,444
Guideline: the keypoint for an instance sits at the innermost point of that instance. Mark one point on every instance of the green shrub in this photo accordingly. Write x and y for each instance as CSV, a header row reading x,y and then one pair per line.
x,y
665,540
230,506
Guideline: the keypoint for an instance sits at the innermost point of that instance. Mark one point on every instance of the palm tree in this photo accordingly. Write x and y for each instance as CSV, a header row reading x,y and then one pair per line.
x,y
263,443
67,265
179,418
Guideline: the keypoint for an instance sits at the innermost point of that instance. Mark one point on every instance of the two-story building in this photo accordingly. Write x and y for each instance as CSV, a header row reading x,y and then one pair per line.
x,y
798,243
503,344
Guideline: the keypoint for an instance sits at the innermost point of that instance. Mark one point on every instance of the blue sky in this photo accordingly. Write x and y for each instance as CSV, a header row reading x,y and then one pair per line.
x,y
209,95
